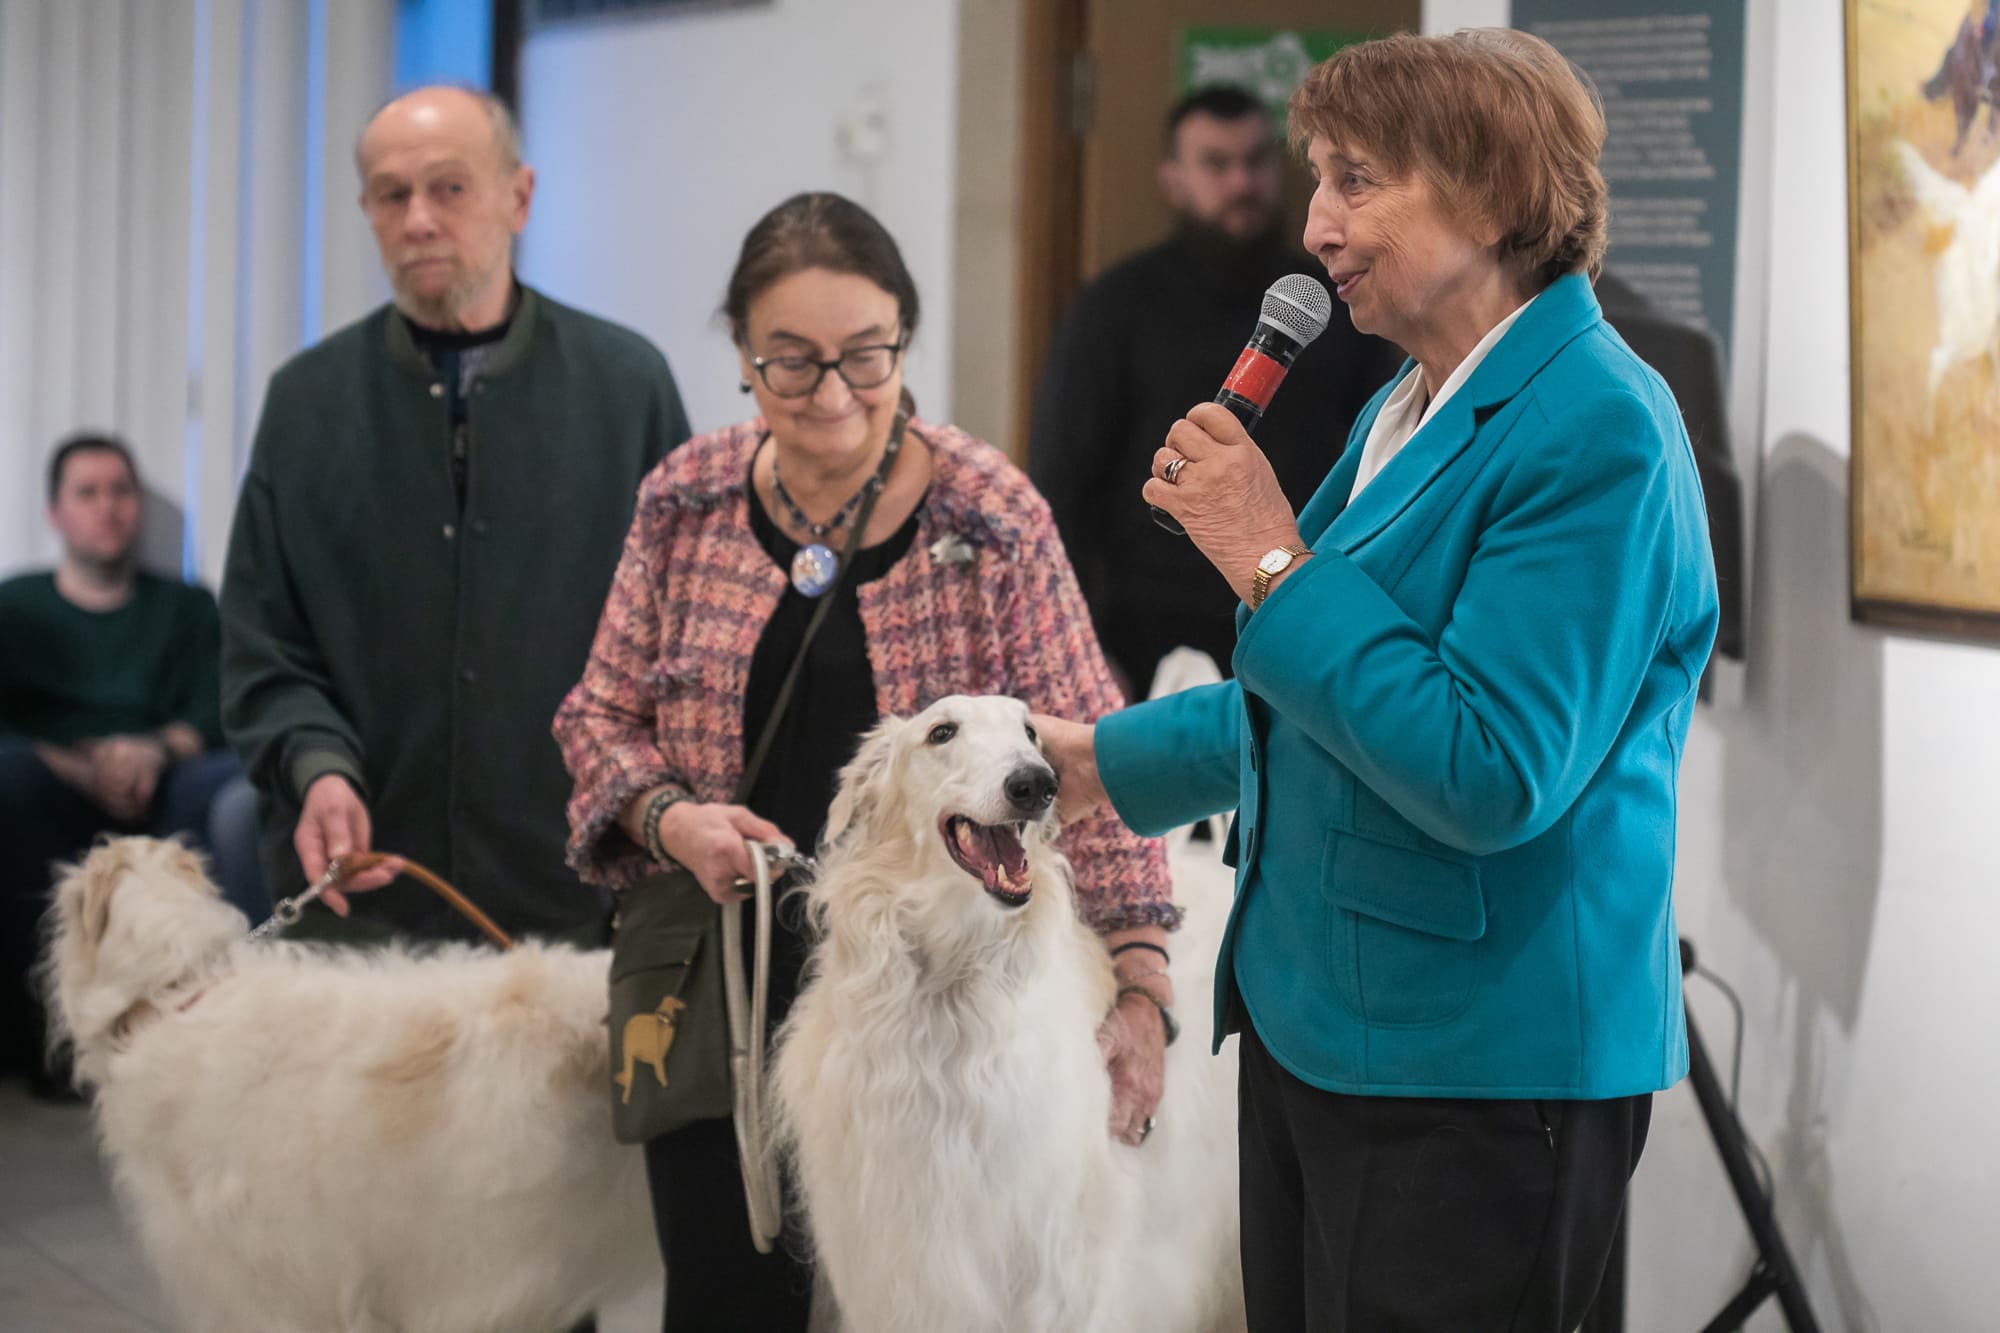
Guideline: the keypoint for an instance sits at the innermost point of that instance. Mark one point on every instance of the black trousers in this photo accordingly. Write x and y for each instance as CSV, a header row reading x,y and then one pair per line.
x,y
1425,1215
42,822
716,1280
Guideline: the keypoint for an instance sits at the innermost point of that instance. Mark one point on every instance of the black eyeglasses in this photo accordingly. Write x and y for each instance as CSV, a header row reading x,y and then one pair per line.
x,y
799,376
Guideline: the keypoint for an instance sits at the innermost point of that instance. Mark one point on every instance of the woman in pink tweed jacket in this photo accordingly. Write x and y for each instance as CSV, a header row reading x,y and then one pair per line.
x,y
960,586
984,603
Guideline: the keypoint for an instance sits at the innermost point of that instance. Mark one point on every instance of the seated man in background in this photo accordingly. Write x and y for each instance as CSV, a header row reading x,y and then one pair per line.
x,y
110,715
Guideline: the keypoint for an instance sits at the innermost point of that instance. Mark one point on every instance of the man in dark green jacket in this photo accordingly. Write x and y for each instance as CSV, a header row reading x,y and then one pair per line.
x,y
436,500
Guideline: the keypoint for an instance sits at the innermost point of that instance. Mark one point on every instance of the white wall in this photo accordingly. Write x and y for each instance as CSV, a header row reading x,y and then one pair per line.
x,y
1833,863
658,141
1833,859
157,167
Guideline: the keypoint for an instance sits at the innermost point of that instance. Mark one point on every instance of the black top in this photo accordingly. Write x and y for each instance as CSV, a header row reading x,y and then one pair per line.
x,y
456,356
834,702
1143,343
832,705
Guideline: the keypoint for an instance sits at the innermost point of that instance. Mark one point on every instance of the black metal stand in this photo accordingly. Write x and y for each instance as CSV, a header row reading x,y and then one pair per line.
x,y
1773,1274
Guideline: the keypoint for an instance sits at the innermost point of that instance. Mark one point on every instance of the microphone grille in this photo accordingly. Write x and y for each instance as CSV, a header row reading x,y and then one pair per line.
x,y
1298,303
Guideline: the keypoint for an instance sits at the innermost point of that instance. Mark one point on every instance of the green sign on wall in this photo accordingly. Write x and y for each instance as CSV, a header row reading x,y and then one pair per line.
x,y
1265,62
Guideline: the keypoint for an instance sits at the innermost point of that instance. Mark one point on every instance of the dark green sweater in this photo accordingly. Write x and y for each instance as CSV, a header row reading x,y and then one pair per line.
x,y
373,628
69,675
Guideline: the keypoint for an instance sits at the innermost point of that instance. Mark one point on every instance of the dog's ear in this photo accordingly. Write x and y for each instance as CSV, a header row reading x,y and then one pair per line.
x,y
83,895
863,780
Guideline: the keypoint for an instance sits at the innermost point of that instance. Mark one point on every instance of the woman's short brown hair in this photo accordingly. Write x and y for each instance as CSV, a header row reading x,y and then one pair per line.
x,y
1499,125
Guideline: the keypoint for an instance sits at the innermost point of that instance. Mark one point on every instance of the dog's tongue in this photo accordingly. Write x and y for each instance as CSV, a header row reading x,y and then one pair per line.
x,y
995,854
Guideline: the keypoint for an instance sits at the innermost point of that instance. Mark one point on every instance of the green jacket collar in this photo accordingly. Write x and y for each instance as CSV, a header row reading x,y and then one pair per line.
x,y
508,353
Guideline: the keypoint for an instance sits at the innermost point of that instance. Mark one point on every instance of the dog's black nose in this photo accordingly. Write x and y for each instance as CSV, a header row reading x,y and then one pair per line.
x,y
1030,788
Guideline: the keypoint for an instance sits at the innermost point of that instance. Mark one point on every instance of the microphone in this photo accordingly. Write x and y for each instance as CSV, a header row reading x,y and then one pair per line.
x,y
1296,310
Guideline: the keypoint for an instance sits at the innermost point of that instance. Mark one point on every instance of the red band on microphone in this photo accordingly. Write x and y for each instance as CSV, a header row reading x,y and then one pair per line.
x,y
1256,377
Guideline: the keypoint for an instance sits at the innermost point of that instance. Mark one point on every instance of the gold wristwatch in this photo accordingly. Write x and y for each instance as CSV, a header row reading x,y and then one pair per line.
x,y
1275,562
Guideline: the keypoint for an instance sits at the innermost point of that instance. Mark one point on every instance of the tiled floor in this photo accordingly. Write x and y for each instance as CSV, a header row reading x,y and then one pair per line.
x,y
67,1263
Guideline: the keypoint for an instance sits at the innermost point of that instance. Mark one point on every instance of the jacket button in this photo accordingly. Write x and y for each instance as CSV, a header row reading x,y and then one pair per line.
x,y
437,390
468,675
450,531
479,527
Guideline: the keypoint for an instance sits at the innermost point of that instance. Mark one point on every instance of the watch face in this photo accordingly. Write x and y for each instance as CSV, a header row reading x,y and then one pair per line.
x,y
1275,561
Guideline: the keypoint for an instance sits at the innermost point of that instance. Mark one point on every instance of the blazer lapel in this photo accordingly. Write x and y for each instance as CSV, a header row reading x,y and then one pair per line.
x,y
1564,309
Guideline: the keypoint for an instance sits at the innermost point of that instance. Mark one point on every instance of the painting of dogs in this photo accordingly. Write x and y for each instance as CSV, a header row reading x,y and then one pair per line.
x,y
312,1141
1924,286
939,1086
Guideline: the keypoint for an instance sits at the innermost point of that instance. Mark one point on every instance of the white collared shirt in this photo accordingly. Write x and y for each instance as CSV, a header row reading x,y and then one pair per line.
x,y
1406,412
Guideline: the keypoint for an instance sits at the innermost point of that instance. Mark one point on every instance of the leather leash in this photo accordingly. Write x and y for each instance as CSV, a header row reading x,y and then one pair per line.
x,y
355,862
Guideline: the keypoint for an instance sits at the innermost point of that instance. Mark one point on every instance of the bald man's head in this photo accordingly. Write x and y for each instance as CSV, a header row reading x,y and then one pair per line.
x,y
444,189
449,99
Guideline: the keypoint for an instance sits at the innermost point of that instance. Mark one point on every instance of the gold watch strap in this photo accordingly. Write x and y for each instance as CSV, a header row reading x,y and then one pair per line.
x,y
1260,582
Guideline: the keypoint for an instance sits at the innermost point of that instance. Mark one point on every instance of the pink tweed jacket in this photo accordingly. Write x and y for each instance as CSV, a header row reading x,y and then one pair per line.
x,y
984,603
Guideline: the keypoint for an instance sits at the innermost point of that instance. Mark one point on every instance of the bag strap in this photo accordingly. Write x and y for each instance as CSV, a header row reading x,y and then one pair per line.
x,y
755,764
746,1004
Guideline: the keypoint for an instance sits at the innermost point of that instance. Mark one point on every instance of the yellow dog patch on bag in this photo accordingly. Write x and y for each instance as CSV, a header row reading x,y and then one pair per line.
x,y
646,1040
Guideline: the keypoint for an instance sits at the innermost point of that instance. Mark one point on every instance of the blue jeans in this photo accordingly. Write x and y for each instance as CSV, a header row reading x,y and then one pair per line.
x,y
43,822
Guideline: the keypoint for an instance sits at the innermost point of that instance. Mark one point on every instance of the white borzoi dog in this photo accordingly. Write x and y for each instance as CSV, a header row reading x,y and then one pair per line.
x,y
939,1084
316,1141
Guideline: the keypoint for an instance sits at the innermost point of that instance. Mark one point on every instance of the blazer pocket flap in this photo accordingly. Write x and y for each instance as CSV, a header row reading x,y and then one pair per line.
x,y
1404,887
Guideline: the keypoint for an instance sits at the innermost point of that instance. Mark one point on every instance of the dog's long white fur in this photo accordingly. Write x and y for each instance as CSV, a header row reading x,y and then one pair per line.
x,y
940,1087
343,1141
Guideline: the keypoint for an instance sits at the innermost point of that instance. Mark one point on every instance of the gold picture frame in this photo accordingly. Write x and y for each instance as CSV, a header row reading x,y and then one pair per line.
x,y
1924,314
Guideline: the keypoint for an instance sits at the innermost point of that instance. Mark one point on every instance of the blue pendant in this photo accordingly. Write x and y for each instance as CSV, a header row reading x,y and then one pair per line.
x,y
814,569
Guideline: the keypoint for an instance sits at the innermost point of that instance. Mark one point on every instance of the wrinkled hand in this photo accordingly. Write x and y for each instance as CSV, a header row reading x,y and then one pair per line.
x,y
334,823
1226,495
124,773
1134,1044
708,839
1071,749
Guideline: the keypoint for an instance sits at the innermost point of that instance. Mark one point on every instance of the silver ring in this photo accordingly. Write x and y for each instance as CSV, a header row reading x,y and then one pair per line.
x,y
1171,474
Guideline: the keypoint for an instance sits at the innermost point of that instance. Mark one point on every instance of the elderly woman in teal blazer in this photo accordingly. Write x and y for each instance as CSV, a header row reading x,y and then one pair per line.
x,y
1464,676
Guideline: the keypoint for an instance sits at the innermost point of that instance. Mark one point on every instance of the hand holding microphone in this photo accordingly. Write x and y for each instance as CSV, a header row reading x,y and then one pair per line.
x,y
1295,311
1209,481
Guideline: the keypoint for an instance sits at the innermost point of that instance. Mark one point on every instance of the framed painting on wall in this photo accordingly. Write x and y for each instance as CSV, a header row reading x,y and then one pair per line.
x,y
1923,162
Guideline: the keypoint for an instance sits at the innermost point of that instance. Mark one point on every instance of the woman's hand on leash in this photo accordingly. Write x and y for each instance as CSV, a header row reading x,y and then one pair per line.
x,y
1071,748
1225,495
1134,1042
334,823
708,839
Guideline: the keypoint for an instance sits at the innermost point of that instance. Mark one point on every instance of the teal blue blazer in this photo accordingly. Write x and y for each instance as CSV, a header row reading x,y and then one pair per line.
x,y
1454,738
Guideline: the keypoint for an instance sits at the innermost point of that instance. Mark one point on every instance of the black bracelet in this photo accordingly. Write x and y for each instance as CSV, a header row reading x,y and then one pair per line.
x,y
1167,1021
649,822
1143,944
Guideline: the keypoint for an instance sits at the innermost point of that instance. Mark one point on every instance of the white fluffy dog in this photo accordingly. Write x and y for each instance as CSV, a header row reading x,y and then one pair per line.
x,y
313,1141
939,1083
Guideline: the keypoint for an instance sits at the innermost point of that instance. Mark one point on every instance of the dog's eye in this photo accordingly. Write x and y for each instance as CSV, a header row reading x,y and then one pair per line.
x,y
1033,739
941,733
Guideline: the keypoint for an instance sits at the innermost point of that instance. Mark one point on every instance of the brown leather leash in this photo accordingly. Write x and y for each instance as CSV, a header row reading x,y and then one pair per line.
x,y
346,867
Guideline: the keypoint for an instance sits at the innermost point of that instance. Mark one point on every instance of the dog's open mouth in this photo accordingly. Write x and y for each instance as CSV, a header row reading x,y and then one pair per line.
x,y
991,854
